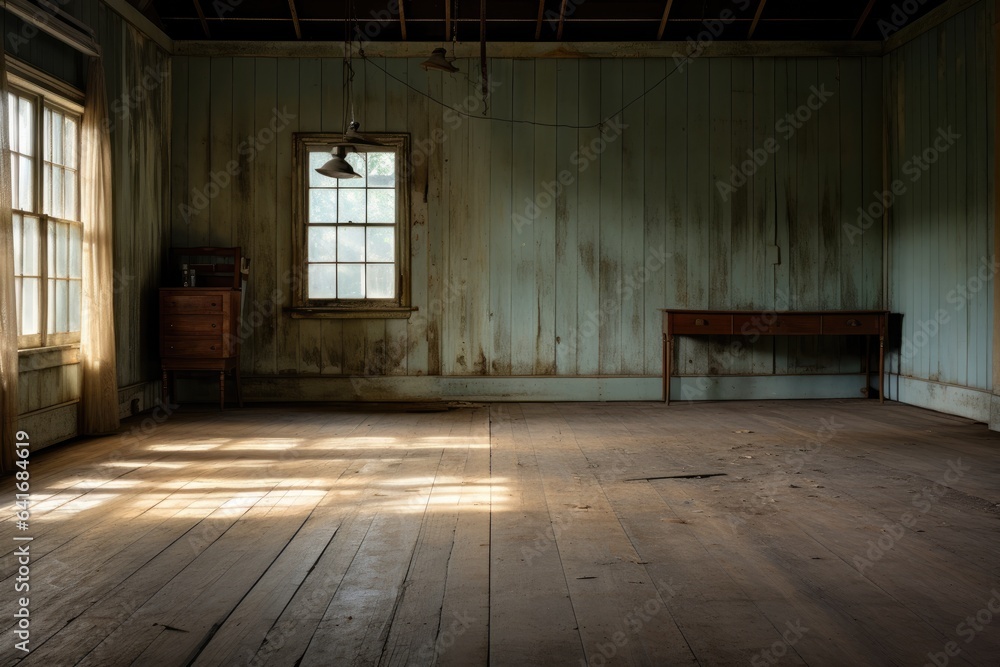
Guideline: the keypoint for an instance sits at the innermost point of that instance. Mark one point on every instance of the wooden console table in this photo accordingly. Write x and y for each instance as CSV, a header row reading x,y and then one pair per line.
x,y
869,323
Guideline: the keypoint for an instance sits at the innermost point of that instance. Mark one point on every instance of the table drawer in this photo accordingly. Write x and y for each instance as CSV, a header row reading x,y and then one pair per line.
x,y
777,324
701,323
177,302
192,325
193,347
859,325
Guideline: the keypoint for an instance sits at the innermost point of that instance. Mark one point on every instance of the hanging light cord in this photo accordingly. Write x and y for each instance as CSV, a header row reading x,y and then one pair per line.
x,y
523,120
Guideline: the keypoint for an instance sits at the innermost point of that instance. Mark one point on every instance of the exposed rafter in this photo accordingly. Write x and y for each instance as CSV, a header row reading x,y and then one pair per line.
x,y
447,19
562,17
756,18
861,21
663,21
295,19
538,23
402,19
201,17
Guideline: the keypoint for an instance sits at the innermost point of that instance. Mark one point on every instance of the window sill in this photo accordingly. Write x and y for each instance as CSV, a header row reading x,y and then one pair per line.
x,y
40,358
327,312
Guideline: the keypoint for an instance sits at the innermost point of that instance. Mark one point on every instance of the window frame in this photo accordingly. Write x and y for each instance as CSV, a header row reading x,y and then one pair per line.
x,y
303,306
43,98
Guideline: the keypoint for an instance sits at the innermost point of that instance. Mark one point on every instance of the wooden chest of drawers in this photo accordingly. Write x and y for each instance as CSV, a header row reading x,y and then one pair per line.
x,y
199,330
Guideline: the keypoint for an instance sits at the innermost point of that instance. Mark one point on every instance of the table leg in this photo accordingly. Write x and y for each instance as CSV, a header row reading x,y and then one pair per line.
x,y
222,390
165,389
868,366
668,354
881,368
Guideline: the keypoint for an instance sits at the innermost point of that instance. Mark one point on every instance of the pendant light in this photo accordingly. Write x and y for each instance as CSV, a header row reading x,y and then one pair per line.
x,y
338,166
439,57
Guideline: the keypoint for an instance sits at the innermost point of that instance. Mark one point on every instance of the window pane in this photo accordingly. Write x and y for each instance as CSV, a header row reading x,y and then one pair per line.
x,y
18,248
356,160
25,193
26,126
350,281
31,259
51,264
351,244
57,137
12,120
75,251
70,157
322,244
381,170
72,208
322,281
381,206
61,251
380,244
62,307
352,206
322,206
52,304
74,305
29,307
56,193
47,188
380,281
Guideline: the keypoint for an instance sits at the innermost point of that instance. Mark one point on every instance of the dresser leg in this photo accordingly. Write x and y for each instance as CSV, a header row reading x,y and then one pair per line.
x,y
239,389
222,390
165,389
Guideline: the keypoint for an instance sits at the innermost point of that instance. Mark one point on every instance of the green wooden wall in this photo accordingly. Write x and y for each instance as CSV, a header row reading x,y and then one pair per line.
x,y
642,226
942,227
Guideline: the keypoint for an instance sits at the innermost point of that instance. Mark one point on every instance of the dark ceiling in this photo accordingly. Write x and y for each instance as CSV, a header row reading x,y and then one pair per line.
x,y
531,20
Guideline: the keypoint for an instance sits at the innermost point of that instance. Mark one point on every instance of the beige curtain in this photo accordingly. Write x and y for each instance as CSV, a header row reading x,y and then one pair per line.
x,y
8,312
99,397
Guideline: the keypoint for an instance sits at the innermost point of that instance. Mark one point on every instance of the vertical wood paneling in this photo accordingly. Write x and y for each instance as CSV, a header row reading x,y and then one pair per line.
x,y
567,216
941,227
220,118
655,214
506,288
610,265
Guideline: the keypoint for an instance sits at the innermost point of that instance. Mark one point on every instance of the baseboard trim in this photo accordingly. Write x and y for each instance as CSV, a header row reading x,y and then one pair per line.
x,y
948,398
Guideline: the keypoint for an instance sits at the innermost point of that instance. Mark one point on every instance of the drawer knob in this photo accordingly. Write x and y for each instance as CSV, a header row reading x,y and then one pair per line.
x,y
701,322
213,325
213,305
853,323
212,348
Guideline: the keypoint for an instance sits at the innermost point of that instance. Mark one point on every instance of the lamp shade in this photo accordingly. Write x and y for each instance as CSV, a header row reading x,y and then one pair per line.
x,y
337,166
352,136
438,61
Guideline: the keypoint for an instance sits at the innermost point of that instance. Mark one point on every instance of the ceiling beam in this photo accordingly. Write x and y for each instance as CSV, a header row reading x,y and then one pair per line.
x,y
538,23
402,19
663,21
756,18
201,17
562,17
861,21
662,49
295,19
447,19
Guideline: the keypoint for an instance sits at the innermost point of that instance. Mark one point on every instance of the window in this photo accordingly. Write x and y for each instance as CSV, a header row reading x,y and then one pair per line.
x,y
48,234
352,233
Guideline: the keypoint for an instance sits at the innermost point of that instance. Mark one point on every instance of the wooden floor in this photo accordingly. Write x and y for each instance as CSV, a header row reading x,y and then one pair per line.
x,y
834,533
